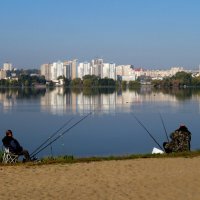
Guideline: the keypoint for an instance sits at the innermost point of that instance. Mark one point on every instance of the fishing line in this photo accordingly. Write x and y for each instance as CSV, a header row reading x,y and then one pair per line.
x,y
51,148
147,131
164,126
65,124
61,135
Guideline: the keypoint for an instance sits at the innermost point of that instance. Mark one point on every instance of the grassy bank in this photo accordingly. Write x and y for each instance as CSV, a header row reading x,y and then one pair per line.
x,y
72,159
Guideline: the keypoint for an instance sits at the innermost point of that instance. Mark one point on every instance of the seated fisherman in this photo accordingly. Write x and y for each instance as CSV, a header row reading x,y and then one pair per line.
x,y
180,140
14,147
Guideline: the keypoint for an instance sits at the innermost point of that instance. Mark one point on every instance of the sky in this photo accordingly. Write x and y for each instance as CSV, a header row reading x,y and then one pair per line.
x,y
153,34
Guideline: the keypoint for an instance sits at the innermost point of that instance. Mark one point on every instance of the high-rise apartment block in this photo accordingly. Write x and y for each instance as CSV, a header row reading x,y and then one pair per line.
x,y
2,74
98,68
67,69
73,69
52,71
46,71
7,66
109,70
84,69
57,70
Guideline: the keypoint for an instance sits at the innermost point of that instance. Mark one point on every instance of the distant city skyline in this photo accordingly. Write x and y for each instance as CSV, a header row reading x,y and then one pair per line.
x,y
150,34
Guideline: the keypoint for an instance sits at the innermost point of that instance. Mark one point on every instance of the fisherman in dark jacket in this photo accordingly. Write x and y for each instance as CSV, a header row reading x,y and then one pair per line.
x,y
13,145
180,140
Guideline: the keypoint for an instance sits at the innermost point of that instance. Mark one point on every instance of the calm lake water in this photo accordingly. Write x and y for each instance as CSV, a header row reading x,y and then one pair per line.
x,y
111,129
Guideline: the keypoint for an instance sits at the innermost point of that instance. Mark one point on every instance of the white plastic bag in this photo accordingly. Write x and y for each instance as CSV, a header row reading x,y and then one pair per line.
x,y
157,151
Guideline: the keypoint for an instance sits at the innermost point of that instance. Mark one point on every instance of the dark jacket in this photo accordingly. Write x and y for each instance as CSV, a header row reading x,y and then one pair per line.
x,y
12,144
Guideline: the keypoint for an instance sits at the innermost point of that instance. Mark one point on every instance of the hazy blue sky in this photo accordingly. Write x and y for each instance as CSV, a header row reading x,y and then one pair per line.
x,y
146,33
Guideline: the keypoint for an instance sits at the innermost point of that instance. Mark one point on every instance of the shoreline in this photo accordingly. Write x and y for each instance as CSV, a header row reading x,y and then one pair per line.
x,y
72,159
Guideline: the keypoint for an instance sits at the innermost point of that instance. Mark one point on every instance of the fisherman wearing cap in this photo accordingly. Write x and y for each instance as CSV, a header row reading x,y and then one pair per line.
x,y
180,140
14,147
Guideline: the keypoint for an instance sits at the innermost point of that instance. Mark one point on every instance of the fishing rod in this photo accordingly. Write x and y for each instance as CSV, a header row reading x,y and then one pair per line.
x,y
61,135
164,127
147,131
65,124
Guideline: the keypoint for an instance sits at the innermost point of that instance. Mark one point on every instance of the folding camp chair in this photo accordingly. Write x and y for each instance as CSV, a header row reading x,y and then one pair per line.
x,y
9,157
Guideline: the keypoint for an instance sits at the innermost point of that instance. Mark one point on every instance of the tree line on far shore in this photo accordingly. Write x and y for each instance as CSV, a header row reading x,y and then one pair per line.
x,y
179,80
24,79
88,81
95,81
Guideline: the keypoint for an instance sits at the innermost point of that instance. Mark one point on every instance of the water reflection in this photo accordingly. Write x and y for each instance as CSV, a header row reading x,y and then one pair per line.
x,y
104,100
35,114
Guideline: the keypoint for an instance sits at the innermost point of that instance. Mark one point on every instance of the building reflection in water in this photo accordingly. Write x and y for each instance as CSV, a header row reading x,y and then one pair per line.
x,y
60,101
54,101
8,100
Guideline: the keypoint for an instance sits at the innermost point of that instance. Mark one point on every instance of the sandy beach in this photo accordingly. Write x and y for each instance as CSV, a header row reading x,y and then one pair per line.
x,y
150,178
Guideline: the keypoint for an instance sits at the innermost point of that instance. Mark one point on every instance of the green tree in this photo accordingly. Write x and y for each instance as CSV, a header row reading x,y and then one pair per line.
x,y
90,81
87,83
107,82
184,78
196,81
77,82
133,84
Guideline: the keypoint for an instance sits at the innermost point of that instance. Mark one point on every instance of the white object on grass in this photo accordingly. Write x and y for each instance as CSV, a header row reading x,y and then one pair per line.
x,y
157,151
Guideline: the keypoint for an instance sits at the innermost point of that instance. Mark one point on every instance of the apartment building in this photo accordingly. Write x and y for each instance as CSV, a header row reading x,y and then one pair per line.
x,y
109,70
52,71
126,72
98,68
7,66
2,74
